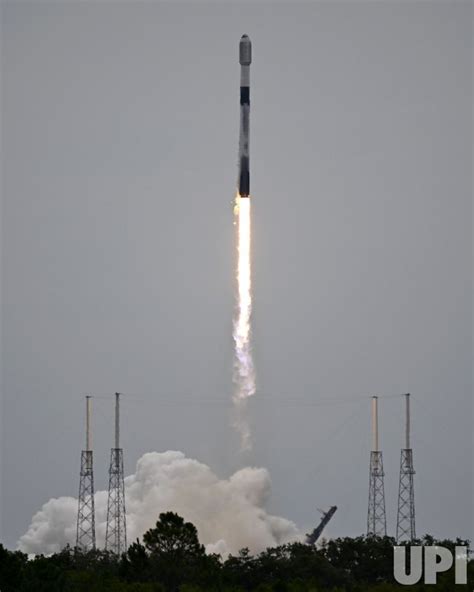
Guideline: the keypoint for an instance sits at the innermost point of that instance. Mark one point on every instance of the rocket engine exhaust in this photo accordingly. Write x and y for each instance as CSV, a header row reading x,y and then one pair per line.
x,y
244,373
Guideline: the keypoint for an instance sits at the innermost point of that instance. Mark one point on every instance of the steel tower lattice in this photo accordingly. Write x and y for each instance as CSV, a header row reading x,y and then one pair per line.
x,y
406,491
85,534
376,517
116,531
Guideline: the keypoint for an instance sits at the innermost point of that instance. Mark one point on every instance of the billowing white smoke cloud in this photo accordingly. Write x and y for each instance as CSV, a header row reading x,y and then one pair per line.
x,y
228,513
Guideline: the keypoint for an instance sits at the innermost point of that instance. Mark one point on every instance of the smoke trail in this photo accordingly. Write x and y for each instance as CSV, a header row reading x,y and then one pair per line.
x,y
244,372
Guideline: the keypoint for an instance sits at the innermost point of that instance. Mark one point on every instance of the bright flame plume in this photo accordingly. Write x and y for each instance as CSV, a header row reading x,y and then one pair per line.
x,y
244,372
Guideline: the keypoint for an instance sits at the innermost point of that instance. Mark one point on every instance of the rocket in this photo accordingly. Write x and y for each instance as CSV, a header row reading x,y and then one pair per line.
x,y
245,59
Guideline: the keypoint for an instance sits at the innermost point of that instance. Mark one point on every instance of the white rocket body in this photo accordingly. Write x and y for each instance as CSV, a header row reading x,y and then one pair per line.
x,y
245,59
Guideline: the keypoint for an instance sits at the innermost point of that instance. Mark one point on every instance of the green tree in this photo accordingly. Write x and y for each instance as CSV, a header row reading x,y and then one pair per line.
x,y
42,574
366,560
173,537
135,565
12,567
172,555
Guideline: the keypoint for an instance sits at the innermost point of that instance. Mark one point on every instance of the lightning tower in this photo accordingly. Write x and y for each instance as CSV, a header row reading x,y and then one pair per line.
x,y
85,535
376,519
406,491
116,532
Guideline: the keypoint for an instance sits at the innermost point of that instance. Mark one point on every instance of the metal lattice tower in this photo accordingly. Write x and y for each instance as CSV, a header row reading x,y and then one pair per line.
x,y
376,518
406,490
85,535
116,532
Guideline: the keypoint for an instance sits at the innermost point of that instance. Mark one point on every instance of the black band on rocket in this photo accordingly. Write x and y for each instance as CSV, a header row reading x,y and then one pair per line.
x,y
244,95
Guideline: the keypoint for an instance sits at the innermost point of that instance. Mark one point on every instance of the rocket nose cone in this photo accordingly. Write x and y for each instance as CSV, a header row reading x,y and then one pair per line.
x,y
245,50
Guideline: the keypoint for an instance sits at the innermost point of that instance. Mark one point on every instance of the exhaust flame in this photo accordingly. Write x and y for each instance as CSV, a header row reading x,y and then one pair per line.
x,y
244,373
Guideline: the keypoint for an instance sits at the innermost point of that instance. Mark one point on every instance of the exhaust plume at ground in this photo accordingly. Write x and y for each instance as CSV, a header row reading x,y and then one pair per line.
x,y
244,372
228,513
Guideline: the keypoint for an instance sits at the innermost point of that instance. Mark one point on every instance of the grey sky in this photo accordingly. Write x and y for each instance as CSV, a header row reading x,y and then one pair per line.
x,y
120,129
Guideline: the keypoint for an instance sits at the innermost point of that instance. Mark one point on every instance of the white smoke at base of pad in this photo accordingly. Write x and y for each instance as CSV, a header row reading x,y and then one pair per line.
x,y
228,513
244,371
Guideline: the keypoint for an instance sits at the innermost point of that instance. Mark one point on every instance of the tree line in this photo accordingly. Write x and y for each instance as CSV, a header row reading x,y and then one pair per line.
x,y
170,558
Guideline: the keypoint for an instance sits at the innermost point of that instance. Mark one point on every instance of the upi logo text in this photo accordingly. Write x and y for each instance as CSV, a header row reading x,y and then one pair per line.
x,y
436,560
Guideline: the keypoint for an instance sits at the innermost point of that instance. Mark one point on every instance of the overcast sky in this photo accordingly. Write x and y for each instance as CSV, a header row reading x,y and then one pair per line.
x,y
120,130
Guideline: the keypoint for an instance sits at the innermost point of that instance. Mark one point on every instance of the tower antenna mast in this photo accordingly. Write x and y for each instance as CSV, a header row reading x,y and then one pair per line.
x,y
85,534
376,518
406,491
116,531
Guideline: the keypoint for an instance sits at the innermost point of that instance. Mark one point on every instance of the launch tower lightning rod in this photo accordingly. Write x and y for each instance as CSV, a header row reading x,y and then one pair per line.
x,y
116,531
117,420
85,534
376,518
88,423
406,490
